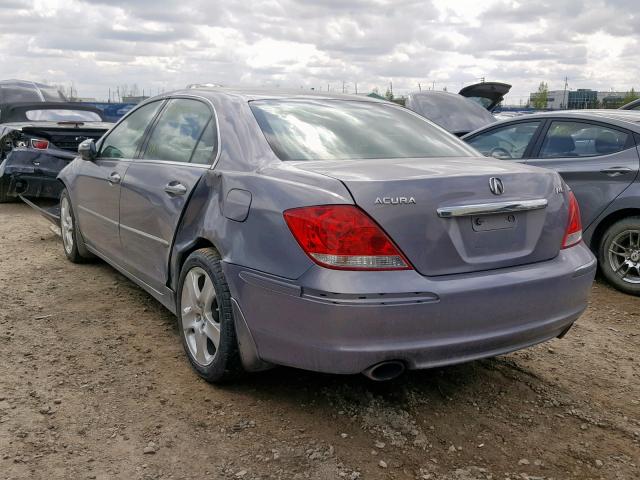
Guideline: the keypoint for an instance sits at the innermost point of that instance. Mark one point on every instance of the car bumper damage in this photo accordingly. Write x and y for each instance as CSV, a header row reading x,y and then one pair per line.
x,y
417,322
31,173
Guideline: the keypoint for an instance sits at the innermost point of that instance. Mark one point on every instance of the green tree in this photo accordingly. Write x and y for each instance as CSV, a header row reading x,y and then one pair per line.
x,y
539,99
388,95
630,96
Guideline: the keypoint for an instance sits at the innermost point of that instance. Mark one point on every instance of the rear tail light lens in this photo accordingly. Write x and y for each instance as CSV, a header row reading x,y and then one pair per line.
x,y
39,144
343,237
573,233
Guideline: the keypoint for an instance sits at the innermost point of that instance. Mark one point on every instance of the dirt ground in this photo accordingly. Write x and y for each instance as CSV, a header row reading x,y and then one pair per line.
x,y
94,384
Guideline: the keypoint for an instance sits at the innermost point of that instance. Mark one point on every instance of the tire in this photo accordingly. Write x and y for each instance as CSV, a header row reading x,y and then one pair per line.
x,y
4,197
204,313
619,255
72,242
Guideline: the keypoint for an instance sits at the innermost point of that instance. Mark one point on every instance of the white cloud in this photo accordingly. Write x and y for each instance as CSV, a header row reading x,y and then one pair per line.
x,y
97,44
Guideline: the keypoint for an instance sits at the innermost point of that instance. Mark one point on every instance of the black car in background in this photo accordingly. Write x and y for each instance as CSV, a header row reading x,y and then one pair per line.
x,y
39,135
22,91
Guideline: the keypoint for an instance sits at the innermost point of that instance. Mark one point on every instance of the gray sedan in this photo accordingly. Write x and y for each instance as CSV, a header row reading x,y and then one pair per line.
x,y
330,233
596,152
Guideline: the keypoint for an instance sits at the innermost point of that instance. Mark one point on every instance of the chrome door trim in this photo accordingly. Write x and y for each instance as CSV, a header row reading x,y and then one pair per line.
x,y
491,208
96,214
170,162
145,235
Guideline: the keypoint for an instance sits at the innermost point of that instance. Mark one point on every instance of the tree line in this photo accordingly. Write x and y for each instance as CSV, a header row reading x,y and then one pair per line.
x,y
540,99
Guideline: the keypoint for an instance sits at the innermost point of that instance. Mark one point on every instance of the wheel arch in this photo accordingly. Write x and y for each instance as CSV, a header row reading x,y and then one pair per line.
x,y
182,254
606,222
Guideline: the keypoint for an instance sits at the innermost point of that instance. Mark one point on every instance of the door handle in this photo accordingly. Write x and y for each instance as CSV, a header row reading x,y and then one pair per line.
x,y
175,188
615,171
114,178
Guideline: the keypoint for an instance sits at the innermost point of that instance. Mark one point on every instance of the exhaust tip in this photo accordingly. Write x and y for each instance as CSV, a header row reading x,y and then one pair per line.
x,y
385,371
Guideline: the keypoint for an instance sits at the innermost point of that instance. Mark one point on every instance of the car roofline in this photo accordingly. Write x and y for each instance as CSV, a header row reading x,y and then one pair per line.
x,y
252,94
621,118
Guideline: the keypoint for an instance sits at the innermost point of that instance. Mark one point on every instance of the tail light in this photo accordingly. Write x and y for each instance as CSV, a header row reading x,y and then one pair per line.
x,y
573,233
343,237
39,143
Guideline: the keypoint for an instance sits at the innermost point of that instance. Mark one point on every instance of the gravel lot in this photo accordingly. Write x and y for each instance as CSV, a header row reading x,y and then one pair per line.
x,y
94,384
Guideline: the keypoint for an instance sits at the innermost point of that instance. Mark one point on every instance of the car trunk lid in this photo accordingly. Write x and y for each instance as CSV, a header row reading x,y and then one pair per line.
x,y
444,217
487,94
66,135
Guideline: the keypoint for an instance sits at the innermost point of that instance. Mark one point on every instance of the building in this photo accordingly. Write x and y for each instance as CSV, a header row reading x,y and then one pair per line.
x,y
580,99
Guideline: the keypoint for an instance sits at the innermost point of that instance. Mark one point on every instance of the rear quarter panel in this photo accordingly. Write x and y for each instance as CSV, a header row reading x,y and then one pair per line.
x,y
262,241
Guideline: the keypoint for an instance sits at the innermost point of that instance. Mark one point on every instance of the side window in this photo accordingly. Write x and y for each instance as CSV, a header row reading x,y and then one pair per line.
x,y
576,139
178,130
125,139
508,142
207,145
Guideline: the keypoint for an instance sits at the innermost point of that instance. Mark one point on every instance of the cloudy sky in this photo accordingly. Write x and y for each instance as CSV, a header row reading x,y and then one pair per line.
x,y
167,44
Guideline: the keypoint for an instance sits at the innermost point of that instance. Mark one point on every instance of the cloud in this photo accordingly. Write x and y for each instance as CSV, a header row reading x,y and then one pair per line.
x,y
100,44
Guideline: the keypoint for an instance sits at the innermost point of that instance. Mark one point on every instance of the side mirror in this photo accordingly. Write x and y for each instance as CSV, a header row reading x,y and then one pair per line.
x,y
87,150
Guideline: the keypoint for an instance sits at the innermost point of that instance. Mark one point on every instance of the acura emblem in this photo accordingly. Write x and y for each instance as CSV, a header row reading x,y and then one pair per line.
x,y
496,186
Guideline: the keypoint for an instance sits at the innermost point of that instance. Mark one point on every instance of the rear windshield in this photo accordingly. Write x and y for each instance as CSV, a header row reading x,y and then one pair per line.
x,y
345,129
452,112
62,115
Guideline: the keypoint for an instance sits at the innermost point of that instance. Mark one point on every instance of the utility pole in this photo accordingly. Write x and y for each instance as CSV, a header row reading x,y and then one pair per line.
x,y
356,87
564,95
419,87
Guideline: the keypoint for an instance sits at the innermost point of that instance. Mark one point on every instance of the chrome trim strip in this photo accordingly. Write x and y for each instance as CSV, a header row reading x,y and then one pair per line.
x,y
491,208
96,214
145,235
179,164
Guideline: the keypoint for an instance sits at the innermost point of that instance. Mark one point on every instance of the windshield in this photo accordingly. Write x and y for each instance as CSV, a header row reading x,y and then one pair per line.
x,y
62,115
342,129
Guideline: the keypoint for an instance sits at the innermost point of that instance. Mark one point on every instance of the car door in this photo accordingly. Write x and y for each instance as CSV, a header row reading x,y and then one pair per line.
x,y
506,142
598,161
179,150
97,185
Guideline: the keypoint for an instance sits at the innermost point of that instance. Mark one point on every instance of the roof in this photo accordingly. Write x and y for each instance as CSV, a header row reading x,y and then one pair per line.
x,y
263,94
623,118
23,83
13,90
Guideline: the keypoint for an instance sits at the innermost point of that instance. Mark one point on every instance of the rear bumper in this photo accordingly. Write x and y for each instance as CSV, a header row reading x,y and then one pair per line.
x,y
32,173
344,322
29,185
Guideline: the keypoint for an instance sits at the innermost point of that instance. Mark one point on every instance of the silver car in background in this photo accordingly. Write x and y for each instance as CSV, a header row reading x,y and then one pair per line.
x,y
596,152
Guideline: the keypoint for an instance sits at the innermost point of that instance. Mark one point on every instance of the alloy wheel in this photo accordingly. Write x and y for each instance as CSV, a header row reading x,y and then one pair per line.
x,y
66,225
624,256
200,316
